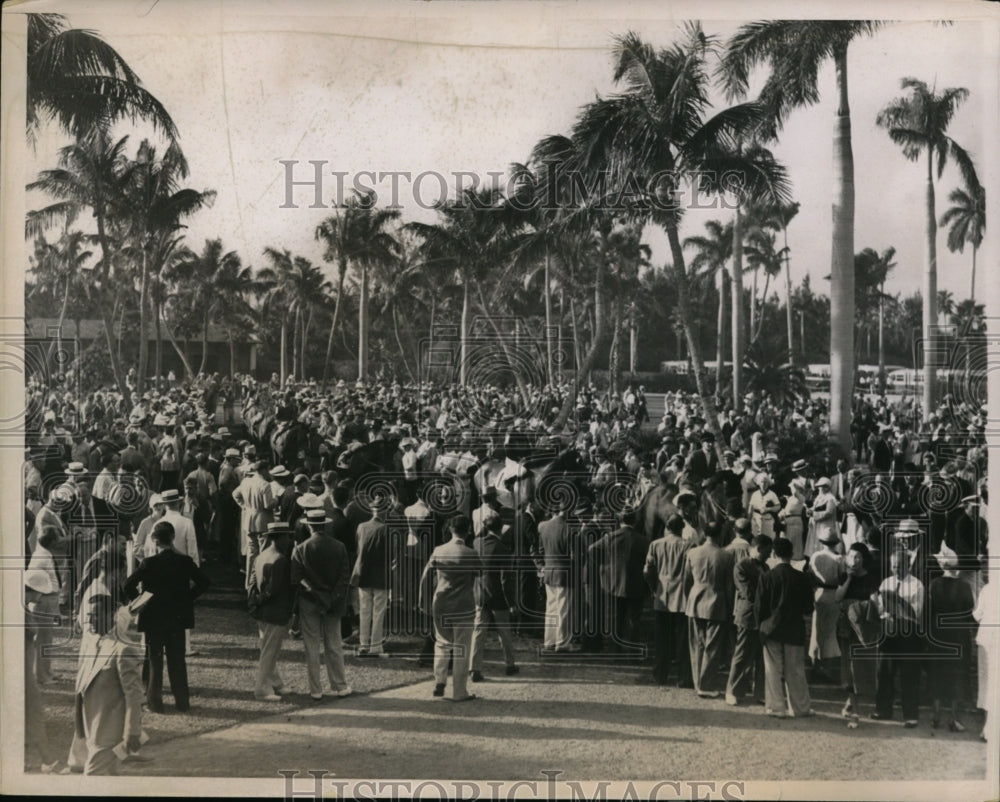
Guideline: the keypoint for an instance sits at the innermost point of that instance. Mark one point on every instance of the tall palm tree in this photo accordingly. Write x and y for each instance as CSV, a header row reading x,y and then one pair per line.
x,y
794,52
918,123
355,235
761,254
471,240
657,131
154,204
80,81
713,252
967,218
871,270
201,271
88,178
233,284
58,270
777,218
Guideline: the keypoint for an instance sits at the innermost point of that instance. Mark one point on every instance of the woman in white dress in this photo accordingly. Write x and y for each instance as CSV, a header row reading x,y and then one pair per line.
x,y
792,516
764,507
824,517
827,566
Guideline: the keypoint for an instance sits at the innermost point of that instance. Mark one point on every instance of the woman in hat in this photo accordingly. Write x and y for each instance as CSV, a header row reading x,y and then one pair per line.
x,y
950,644
793,517
826,567
764,507
824,518
858,626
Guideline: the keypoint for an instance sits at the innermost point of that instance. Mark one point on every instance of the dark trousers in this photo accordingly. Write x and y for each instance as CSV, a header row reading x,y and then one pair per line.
x,y
170,641
902,656
670,635
746,672
627,617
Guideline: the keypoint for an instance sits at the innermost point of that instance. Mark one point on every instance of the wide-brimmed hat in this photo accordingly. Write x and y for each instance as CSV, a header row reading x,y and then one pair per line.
x,y
971,499
907,529
316,517
76,469
823,482
799,465
279,472
309,501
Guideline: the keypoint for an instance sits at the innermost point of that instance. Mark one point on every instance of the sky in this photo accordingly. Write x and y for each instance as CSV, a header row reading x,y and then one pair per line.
x,y
448,87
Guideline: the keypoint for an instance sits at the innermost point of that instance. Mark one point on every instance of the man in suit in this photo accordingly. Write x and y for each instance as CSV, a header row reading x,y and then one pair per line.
x,y
256,501
272,595
495,595
664,573
621,557
372,574
453,567
554,548
529,622
320,573
784,598
175,582
703,464
87,520
708,582
748,657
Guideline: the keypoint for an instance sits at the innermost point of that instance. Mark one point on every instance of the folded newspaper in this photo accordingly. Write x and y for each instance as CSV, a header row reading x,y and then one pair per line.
x,y
139,602
121,751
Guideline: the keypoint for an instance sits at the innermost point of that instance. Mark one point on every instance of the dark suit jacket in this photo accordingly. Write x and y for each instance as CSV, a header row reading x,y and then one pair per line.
x,y
374,554
708,580
784,598
621,556
495,587
343,530
554,545
747,576
321,561
175,582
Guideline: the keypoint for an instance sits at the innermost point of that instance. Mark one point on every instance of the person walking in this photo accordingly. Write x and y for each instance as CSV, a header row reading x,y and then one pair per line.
x,y
320,574
784,598
451,571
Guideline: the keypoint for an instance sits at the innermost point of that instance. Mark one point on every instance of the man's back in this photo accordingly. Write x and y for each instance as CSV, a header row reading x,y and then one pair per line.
x,y
456,567
709,582
322,561
665,572
373,554
784,598
553,542
175,581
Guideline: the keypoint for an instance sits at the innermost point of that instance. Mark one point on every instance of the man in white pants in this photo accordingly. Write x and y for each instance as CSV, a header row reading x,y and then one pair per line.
x,y
371,574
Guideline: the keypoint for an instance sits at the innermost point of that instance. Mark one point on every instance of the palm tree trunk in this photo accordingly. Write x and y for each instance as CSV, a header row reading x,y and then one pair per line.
x,y
736,302
972,286
296,344
173,341
140,379
464,334
204,341
788,301
284,350
763,305
753,304
116,364
306,325
577,354
569,402
327,360
842,265
633,341
399,343
363,326
930,294
720,334
881,339
157,311
548,319
685,313
232,354
614,357
59,328
430,338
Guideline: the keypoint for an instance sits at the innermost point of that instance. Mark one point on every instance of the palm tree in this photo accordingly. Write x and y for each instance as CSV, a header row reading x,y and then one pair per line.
x,y
355,235
761,254
714,251
201,271
777,218
58,270
88,177
918,123
233,283
657,131
78,79
870,272
469,242
153,205
967,218
794,52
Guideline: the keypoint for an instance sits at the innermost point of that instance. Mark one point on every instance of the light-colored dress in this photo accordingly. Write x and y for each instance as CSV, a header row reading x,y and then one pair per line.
x,y
828,567
791,515
824,521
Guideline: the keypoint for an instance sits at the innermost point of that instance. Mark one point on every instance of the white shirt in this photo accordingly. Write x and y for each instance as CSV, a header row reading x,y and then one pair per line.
x,y
102,484
185,541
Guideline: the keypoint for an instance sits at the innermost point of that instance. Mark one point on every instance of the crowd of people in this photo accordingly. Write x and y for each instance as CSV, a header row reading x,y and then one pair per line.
x,y
448,513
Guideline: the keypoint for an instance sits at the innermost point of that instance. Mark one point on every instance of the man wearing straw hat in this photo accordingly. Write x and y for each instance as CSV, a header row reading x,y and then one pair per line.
x,y
256,501
272,596
319,577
